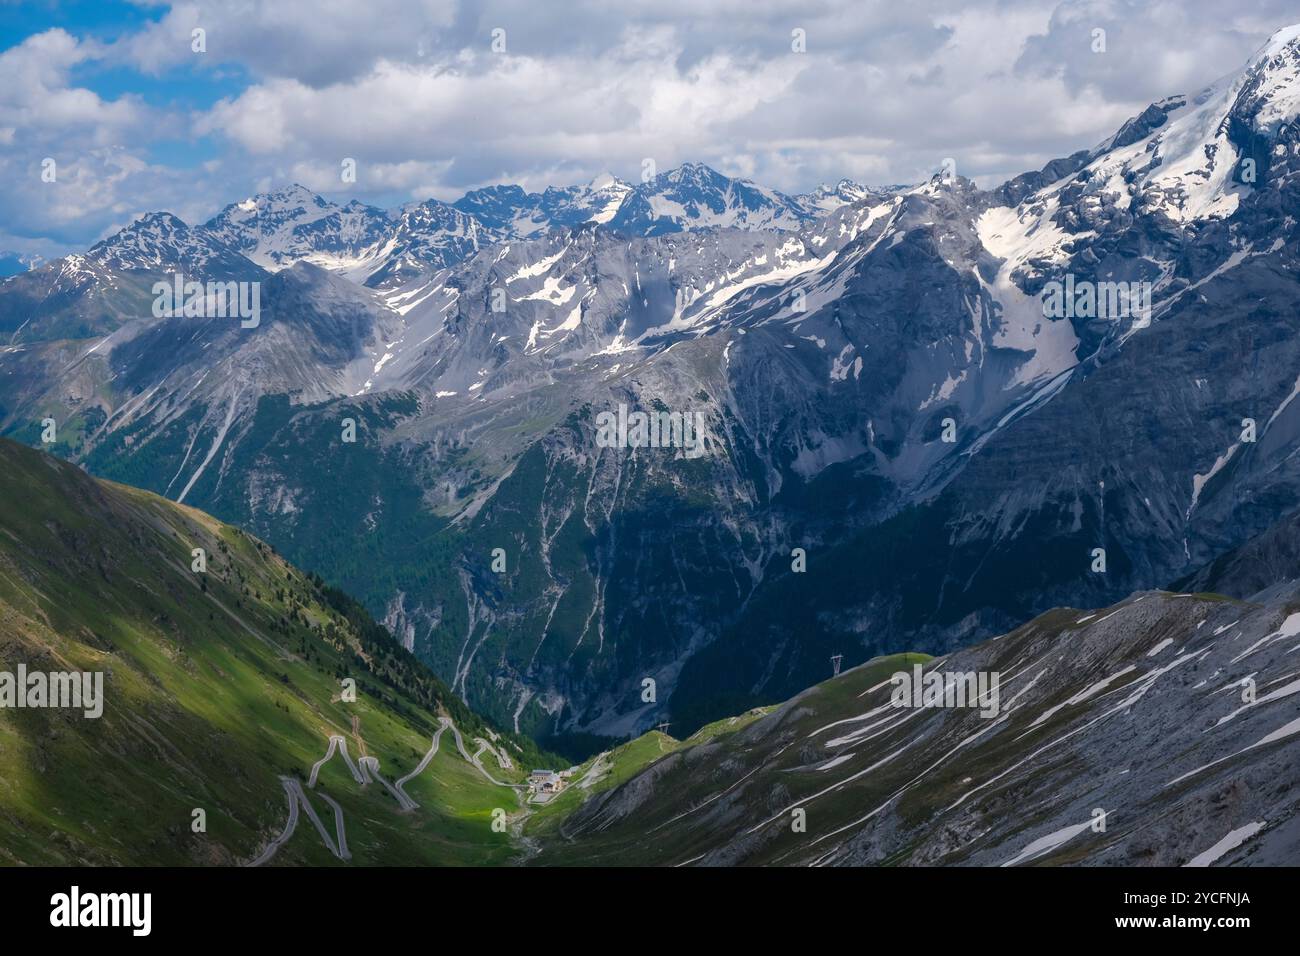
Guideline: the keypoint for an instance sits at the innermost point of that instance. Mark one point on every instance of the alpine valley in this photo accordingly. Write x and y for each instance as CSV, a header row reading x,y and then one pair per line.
x,y
903,452
1159,731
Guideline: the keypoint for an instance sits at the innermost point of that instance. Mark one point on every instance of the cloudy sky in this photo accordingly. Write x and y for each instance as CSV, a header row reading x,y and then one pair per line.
x,y
435,97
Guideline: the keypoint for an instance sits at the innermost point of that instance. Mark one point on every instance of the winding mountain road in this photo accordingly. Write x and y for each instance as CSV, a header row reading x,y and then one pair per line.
x,y
337,742
460,745
370,768
424,762
364,771
297,798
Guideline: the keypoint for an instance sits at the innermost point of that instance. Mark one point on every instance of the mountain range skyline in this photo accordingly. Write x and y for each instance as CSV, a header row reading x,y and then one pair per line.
x,y
824,198
139,120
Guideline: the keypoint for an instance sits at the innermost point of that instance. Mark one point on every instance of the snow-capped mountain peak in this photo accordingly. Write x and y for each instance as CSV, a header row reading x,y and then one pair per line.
x,y
268,212
515,213
696,196
603,180
160,240
825,199
275,229
1192,157
1271,93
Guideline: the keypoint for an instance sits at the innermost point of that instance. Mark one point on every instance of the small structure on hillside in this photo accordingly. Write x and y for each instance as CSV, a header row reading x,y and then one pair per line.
x,y
545,781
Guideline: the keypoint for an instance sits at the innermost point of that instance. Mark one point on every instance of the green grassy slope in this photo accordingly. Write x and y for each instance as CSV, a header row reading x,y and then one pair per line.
x,y
215,684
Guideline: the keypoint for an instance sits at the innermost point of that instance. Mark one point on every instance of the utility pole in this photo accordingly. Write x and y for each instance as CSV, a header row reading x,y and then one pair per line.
x,y
836,659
